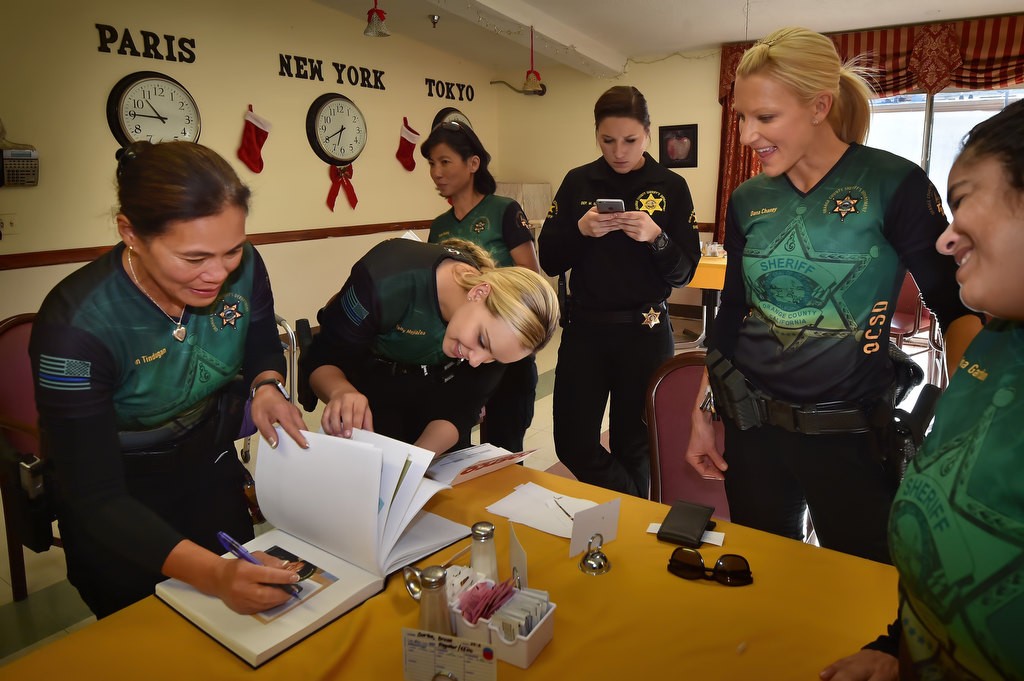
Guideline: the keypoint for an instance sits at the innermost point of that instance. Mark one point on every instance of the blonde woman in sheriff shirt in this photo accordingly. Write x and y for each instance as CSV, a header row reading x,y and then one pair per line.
x,y
459,169
135,358
819,245
624,265
413,343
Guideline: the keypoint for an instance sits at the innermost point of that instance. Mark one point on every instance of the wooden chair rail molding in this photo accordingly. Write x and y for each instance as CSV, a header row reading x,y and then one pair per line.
x,y
16,261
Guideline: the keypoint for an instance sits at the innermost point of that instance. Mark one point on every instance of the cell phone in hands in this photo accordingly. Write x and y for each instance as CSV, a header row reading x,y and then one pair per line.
x,y
610,206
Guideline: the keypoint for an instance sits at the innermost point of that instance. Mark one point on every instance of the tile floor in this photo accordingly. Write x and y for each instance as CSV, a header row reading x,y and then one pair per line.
x,y
53,608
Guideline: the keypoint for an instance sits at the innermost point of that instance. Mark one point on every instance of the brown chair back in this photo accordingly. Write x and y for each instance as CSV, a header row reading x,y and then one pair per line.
x,y
671,396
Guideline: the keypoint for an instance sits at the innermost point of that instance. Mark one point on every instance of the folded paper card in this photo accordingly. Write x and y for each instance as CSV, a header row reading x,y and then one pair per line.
x,y
353,507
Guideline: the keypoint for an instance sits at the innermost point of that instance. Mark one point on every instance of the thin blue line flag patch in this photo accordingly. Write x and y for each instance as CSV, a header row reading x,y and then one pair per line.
x,y
60,373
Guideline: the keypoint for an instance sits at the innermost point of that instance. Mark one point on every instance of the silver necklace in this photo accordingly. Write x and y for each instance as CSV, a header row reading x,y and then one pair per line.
x,y
180,331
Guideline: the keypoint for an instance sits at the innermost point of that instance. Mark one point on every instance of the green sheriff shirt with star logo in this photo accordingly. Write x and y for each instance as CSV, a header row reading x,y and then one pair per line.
x,y
497,224
957,524
100,339
819,274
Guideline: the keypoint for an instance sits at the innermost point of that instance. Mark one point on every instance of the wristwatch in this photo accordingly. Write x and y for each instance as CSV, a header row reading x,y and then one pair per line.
x,y
269,381
660,242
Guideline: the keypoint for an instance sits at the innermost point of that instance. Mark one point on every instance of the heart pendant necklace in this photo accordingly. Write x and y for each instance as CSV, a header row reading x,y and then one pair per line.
x,y
180,331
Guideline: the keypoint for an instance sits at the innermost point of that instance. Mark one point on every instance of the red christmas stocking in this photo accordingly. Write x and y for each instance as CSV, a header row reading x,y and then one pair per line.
x,y
341,179
407,146
254,134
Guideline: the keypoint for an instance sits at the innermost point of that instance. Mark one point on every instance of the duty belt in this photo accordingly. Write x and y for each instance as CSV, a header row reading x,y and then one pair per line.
x,y
440,372
648,315
825,418
142,441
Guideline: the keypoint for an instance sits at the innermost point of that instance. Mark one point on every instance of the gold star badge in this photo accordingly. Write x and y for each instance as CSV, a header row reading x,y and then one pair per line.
x,y
229,315
651,318
845,206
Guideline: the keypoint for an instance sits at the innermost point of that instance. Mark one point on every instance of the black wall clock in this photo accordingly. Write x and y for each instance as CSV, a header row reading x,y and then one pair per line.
x,y
336,129
150,106
450,113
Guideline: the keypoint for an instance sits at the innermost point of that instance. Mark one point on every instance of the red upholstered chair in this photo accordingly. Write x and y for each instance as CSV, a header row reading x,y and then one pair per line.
x,y
671,395
915,326
19,441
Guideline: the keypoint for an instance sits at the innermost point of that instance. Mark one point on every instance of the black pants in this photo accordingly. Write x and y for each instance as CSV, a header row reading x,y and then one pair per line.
x,y
595,361
775,475
196,488
404,403
510,409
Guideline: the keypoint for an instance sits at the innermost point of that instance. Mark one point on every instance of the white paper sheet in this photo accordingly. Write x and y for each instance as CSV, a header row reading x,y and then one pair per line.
x,y
540,508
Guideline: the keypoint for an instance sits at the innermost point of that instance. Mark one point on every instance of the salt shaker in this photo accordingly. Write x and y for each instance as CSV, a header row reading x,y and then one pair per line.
x,y
483,556
435,614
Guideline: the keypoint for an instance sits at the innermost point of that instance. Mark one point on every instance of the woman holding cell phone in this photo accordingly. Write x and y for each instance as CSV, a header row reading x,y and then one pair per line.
x,y
625,227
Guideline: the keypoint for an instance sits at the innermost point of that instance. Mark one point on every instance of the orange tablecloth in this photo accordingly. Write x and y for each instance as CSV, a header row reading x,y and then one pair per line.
x,y
807,607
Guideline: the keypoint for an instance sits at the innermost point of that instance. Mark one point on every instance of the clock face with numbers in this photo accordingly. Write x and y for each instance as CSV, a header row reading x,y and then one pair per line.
x,y
336,129
150,106
449,114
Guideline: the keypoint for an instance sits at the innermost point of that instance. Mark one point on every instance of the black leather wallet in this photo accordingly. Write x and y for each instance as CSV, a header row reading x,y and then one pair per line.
x,y
685,523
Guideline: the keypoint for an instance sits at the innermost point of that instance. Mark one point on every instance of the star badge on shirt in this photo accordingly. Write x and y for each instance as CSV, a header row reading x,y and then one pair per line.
x,y
229,315
651,318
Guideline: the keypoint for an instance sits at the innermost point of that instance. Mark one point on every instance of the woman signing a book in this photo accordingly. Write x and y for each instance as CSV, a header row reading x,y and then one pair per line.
x,y
406,347
136,358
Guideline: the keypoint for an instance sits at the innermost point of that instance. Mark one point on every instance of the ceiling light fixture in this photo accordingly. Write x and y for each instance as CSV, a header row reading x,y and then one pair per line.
x,y
531,84
375,27
434,18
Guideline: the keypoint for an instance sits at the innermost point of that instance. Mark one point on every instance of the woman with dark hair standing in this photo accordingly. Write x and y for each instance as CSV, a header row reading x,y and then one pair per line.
x,y
624,265
136,357
459,169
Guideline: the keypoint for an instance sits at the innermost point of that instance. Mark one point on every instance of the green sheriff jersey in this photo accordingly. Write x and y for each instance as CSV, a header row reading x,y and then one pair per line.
x,y
99,339
812,278
497,224
957,524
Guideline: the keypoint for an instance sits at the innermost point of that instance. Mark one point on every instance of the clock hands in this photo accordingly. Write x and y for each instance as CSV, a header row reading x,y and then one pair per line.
x,y
162,119
338,134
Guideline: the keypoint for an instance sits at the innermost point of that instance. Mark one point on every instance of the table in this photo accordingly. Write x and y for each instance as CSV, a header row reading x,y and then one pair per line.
x,y
710,279
807,607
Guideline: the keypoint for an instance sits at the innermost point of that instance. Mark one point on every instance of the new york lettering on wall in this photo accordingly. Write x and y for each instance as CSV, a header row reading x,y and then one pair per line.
x,y
306,68
153,46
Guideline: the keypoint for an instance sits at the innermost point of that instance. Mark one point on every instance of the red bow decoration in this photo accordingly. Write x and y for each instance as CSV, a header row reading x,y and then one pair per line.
x,y
378,12
341,177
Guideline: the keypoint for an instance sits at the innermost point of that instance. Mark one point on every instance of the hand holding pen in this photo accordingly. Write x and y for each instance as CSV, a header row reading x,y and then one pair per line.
x,y
241,553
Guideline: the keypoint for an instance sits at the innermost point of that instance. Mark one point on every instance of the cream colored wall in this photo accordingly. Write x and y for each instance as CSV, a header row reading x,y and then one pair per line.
x,y
55,83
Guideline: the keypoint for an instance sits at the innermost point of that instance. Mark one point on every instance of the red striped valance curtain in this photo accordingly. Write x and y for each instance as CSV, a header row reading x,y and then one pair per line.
x,y
975,54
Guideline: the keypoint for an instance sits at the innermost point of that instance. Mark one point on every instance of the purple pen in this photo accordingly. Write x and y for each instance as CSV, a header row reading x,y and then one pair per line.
x,y
240,551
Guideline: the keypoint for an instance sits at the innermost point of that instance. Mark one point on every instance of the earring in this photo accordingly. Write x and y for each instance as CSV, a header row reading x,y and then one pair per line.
x,y
815,121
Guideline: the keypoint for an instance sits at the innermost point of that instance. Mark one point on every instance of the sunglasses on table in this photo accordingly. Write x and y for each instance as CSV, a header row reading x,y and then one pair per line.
x,y
730,569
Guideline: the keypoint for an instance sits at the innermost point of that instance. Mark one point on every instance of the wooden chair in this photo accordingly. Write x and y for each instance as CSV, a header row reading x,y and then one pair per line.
x,y
671,394
19,442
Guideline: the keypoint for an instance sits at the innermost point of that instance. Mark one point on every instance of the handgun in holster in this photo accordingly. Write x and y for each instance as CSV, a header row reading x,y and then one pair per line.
x,y
733,394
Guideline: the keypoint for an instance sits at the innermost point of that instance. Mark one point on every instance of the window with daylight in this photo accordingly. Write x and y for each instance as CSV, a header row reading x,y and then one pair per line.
x,y
899,125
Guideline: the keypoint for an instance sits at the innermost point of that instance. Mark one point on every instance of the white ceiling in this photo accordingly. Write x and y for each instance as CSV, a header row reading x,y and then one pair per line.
x,y
600,37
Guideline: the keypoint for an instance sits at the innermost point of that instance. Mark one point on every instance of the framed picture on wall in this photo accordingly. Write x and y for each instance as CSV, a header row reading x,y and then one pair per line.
x,y
677,145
